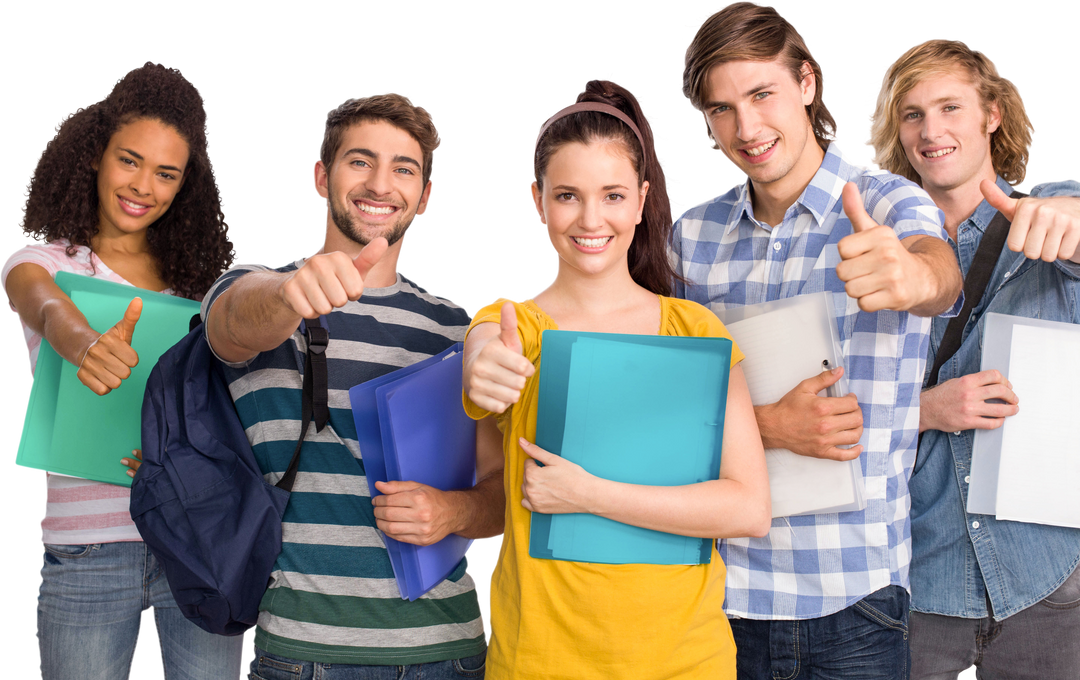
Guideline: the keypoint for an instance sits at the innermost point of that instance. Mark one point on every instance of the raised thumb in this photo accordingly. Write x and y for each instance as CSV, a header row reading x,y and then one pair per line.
x,y
370,256
853,208
126,326
997,198
508,327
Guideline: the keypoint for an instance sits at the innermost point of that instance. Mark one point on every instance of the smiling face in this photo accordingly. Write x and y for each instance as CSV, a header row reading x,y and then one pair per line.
x,y
756,112
946,132
374,187
591,203
138,176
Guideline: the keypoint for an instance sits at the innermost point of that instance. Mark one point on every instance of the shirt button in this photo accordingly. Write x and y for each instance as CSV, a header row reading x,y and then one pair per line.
x,y
1007,274
776,246
967,480
975,524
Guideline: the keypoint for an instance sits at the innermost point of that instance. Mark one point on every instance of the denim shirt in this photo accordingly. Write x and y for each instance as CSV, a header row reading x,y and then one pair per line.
x,y
960,559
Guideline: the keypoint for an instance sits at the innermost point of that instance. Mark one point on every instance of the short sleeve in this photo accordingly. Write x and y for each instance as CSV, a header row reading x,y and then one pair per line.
x,y
691,319
902,205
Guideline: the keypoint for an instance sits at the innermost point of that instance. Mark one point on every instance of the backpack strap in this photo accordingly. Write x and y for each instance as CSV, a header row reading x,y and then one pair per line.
x,y
315,402
982,266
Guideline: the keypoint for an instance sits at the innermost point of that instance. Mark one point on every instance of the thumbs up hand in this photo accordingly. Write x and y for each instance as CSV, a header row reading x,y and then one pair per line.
x,y
330,280
877,269
495,370
109,359
1042,228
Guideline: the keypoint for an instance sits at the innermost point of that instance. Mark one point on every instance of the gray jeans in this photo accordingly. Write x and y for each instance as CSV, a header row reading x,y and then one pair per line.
x,y
1041,642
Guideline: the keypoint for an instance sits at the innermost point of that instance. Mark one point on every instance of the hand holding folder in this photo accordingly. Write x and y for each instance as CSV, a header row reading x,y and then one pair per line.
x,y
410,426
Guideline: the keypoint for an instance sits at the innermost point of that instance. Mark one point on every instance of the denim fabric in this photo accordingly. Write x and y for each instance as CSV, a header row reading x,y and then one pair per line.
x,y
866,641
91,601
1039,643
267,666
960,559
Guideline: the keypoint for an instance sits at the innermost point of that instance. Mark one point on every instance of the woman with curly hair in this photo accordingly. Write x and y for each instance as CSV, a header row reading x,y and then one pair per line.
x,y
124,192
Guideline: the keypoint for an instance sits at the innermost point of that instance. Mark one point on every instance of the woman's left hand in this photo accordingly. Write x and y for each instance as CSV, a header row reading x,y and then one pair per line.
x,y
133,463
559,486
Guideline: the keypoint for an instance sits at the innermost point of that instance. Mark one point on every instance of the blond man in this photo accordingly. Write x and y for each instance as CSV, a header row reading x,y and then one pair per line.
x,y
1004,596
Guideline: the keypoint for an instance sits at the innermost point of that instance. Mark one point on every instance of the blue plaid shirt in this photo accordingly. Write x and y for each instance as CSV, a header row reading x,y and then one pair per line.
x,y
815,565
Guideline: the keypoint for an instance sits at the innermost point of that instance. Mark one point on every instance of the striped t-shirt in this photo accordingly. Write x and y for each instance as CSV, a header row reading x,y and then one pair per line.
x,y
332,594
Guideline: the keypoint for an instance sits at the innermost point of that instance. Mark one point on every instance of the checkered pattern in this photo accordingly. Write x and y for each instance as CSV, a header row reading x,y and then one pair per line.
x,y
812,566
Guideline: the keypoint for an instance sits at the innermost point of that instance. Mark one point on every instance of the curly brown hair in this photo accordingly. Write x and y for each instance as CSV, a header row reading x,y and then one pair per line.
x,y
190,241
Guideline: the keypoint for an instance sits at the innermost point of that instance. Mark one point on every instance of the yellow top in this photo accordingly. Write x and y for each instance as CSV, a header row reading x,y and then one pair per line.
x,y
558,619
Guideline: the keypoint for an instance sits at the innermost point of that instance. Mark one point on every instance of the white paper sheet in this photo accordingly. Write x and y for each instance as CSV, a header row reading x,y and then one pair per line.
x,y
1039,476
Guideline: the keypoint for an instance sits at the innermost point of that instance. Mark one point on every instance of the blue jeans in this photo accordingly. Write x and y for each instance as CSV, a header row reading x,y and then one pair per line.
x,y
89,607
267,666
866,641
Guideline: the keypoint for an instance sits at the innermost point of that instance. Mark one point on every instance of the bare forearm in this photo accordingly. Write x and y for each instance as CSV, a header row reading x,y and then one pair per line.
x,y
723,508
251,317
50,313
941,273
479,512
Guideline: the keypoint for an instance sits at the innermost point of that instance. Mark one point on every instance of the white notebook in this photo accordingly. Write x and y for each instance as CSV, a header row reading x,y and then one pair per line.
x,y
785,342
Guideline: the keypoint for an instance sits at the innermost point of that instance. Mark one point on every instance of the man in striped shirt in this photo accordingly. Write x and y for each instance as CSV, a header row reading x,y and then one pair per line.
x,y
822,594
332,597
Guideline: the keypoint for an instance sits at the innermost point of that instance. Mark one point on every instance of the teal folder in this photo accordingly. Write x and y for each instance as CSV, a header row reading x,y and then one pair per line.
x,y
69,429
635,409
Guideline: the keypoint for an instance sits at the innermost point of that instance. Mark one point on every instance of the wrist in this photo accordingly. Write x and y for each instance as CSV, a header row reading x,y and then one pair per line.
x,y
765,415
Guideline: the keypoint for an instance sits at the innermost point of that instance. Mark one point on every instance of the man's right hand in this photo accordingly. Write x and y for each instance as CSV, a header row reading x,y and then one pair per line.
x,y
494,375
329,280
109,359
810,425
961,403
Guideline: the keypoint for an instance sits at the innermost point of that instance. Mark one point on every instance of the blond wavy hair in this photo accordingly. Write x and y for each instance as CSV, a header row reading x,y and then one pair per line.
x,y
1008,144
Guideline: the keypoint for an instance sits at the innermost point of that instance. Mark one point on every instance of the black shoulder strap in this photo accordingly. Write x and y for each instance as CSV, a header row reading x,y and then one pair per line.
x,y
315,394
982,266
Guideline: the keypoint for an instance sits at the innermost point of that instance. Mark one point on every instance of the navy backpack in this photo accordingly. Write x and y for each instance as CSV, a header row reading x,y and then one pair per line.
x,y
199,499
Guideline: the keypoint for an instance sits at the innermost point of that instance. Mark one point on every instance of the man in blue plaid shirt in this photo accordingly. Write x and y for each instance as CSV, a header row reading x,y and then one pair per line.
x,y
822,594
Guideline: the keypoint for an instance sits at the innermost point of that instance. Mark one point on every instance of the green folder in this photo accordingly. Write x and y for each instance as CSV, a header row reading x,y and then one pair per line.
x,y
69,429
635,409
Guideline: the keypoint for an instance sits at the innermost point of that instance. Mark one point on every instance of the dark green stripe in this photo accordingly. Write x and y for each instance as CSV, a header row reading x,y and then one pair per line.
x,y
329,508
371,656
335,560
363,612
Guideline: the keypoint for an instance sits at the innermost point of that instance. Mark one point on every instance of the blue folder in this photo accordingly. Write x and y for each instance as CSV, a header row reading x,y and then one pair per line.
x,y
411,426
69,429
634,409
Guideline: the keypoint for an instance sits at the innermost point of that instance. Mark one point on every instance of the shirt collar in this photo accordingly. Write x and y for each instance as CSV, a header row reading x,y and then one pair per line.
x,y
818,198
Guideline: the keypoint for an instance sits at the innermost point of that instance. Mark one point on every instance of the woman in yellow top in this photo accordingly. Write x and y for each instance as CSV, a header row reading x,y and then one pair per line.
x,y
600,191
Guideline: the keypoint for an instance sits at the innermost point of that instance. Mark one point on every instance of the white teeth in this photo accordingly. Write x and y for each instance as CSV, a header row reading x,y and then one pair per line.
x,y
939,154
372,210
591,242
758,150
135,206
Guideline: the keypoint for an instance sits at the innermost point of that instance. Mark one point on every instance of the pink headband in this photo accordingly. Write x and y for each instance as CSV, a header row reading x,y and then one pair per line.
x,y
593,106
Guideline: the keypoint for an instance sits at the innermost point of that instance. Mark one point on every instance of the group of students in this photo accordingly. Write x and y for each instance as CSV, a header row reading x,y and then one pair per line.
x,y
912,585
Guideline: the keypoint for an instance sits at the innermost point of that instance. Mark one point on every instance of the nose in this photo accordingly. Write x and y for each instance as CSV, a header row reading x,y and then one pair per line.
x,y
747,124
591,219
140,181
931,127
380,182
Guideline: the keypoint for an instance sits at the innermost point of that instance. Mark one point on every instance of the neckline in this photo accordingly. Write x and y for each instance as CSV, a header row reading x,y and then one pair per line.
x,y
665,303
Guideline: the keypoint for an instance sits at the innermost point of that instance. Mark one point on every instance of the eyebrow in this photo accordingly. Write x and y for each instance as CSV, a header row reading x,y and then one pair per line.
x,y
368,153
749,93
939,100
138,156
608,187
